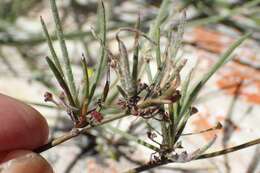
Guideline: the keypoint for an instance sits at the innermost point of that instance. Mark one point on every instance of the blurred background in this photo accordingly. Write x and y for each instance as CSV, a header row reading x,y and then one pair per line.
x,y
232,96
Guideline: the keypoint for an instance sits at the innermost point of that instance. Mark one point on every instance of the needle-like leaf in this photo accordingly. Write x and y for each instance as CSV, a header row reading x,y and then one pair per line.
x,y
60,80
67,65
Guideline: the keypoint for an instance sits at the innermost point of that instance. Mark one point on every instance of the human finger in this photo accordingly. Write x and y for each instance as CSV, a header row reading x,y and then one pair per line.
x,y
22,127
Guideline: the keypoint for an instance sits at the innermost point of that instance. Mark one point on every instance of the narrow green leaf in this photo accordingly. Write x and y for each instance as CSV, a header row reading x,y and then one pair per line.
x,y
148,71
179,36
151,128
112,98
162,13
49,41
158,48
188,100
217,127
205,148
124,62
85,103
135,57
223,59
107,85
221,17
132,138
135,69
121,91
177,70
229,150
103,58
67,65
157,79
185,85
40,104
60,80
171,126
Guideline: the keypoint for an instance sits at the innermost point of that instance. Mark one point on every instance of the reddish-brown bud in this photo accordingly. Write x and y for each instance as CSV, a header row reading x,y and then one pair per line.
x,y
48,97
97,116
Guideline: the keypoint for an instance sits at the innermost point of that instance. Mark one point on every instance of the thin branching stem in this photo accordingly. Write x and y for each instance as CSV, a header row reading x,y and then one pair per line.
x,y
74,133
151,165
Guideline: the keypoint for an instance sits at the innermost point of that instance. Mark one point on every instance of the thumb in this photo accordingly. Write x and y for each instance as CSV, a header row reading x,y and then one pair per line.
x,y
21,161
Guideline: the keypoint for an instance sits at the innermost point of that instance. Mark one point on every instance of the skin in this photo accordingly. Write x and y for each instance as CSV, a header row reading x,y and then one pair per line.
x,y
22,129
